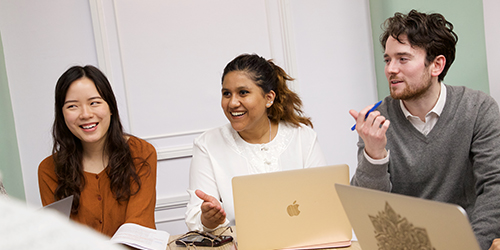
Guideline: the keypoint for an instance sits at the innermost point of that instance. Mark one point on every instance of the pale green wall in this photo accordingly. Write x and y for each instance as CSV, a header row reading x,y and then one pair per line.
x,y
10,164
470,66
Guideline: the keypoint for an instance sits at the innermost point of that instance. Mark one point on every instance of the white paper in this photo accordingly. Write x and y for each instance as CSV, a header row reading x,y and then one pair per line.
x,y
141,237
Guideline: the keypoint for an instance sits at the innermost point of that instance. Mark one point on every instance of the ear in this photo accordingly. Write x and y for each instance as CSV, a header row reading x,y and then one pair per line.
x,y
437,66
270,98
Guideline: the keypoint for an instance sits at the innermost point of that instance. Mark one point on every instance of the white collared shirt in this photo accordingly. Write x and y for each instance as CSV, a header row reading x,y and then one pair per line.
x,y
431,119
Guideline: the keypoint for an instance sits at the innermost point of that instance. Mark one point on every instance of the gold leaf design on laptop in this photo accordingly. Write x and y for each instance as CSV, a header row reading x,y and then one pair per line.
x,y
394,232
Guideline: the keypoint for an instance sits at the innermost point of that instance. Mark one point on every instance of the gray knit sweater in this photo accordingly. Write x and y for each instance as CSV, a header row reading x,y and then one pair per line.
x,y
457,162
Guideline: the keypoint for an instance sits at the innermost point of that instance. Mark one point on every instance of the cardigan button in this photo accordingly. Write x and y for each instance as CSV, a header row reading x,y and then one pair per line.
x,y
99,197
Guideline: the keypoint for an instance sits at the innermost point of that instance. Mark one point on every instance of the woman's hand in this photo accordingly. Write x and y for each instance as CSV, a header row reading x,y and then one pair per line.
x,y
212,213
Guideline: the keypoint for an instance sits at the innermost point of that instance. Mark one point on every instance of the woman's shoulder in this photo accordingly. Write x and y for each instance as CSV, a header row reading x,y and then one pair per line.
x,y
302,129
48,161
47,165
141,146
214,134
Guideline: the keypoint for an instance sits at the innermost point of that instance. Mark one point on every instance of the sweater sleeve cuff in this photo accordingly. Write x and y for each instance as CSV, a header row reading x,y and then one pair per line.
x,y
379,161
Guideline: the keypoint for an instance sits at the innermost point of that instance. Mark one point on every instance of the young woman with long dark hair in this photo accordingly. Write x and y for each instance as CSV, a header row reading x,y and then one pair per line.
x,y
111,174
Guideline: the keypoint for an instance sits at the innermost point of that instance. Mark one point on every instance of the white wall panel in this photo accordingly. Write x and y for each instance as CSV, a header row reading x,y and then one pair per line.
x,y
492,38
173,54
335,70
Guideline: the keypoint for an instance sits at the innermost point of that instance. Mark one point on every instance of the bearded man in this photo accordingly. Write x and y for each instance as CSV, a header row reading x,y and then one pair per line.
x,y
428,139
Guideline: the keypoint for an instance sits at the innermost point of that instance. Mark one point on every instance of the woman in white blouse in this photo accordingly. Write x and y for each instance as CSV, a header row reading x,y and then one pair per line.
x,y
267,133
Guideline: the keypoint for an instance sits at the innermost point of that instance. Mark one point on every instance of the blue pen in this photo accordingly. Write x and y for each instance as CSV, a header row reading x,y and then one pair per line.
x,y
369,111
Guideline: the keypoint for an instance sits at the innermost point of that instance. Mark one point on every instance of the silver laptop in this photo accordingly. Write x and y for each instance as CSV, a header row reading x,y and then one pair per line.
x,y
387,219
63,206
291,209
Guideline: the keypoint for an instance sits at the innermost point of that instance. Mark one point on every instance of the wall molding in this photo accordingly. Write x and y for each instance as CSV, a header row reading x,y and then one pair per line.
x,y
169,204
282,38
173,219
172,202
100,36
278,12
288,41
173,153
177,134
106,60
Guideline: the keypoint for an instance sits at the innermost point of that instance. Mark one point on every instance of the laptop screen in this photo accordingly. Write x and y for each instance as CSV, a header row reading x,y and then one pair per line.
x,y
63,206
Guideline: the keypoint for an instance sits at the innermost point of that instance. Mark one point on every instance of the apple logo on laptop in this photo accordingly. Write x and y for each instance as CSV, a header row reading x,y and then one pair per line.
x,y
293,210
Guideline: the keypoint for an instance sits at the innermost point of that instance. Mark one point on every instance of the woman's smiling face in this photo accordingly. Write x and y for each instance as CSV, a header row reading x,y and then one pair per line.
x,y
244,103
86,114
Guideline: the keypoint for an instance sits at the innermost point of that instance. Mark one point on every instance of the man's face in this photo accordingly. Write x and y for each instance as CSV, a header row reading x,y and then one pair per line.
x,y
405,68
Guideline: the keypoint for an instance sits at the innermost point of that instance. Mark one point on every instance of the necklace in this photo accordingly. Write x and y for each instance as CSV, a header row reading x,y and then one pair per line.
x,y
263,146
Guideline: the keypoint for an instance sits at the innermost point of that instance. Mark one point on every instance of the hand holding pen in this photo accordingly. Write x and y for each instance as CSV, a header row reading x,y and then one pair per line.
x,y
372,127
369,111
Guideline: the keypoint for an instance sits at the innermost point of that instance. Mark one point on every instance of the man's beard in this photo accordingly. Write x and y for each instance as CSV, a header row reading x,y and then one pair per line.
x,y
413,92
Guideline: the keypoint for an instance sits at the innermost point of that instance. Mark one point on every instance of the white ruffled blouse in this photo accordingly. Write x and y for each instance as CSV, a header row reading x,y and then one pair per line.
x,y
221,154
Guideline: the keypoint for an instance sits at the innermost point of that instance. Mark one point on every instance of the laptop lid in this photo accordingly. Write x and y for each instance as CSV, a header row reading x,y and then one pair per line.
x,y
63,206
291,208
381,218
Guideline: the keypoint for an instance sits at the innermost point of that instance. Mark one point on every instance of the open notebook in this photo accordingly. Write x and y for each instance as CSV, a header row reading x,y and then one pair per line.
x,y
290,209
404,222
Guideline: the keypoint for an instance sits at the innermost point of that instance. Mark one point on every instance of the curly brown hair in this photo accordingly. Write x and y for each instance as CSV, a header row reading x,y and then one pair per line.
x,y
431,32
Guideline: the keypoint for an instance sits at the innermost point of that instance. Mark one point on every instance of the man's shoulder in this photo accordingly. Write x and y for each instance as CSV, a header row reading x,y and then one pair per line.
x,y
468,95
463,90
